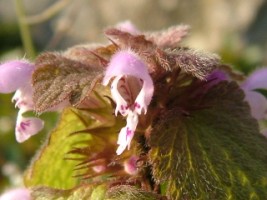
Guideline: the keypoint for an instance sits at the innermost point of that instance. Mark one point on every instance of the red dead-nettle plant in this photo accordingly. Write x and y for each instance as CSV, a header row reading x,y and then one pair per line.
x,y
142,117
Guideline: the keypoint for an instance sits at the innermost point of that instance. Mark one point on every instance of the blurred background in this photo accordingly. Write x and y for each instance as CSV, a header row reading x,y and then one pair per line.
x,y
236,30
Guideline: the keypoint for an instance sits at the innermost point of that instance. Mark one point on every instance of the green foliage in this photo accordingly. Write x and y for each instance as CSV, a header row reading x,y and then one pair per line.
x,y
49,168
10,37
81,139
214,153
123,192
93,192
10,150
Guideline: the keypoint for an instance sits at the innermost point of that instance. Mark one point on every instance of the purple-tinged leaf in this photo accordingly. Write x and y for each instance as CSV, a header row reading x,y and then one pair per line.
x,y
194,62
59,79
169,38
127,40
93,54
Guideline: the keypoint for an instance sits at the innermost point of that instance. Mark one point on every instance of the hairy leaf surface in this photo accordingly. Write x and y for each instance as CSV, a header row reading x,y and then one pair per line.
x,y
169,38
92,192
214,153
59,79
124,192
194,62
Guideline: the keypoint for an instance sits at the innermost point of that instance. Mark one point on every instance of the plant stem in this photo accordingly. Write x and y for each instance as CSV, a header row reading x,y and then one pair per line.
x,y
48,13
24,30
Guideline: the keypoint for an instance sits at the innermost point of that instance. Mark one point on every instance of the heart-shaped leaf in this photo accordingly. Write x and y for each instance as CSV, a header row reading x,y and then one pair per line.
x,y
213,153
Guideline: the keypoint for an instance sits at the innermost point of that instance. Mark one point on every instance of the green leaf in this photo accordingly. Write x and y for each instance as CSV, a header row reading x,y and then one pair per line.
x,y
214,153
59,79
99,192
49,168
92,192
124,192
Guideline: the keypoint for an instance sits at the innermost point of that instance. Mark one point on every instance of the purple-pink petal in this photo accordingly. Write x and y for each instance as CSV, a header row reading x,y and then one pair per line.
x,y
99,168
14,74
256,80
128,26
121,103
126,62
16,194
130,165
144,97
23,98
27,127
258,104
126,66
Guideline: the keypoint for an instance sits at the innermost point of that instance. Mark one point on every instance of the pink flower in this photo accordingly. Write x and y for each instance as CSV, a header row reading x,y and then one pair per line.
x,y
132,89
258,103
16,76
129,27
130,165
16,194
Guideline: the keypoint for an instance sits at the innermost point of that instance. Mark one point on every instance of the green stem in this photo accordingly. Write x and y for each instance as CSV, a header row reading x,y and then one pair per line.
x,y
24,30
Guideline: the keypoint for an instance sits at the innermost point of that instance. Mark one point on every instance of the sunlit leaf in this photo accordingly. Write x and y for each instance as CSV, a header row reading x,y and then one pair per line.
x,y
92,192
124,192
213,153
49,168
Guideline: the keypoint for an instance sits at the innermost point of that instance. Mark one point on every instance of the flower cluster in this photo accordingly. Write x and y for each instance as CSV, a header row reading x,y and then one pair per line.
x,y
16,76
132,89
137,112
